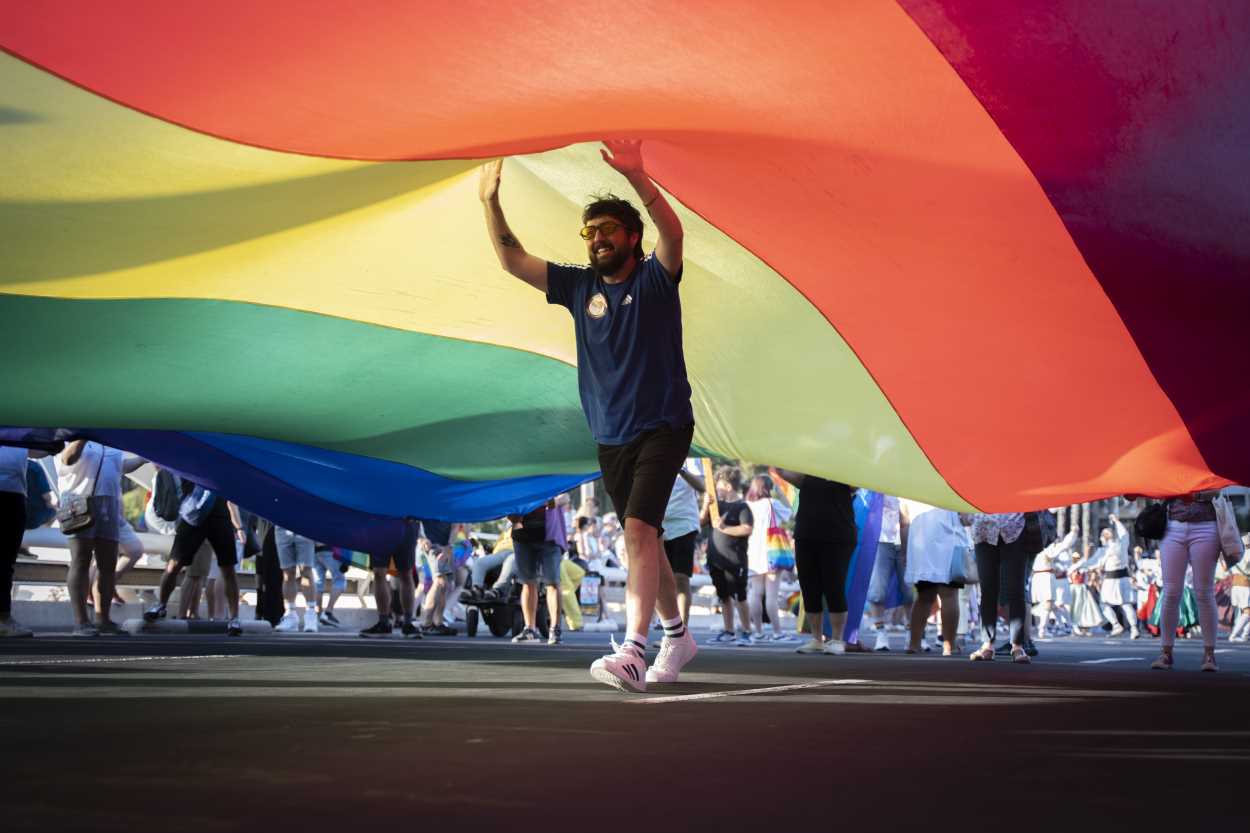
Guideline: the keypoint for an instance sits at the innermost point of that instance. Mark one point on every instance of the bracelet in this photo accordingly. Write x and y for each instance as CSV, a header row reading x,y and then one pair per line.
x,y
653,199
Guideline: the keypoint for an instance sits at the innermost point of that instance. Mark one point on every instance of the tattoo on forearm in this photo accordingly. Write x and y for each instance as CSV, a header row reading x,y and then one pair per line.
x,y
509,240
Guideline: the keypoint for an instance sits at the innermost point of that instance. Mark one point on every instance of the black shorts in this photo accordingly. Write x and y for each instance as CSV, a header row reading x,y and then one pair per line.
x,y
217,529
404,555
639,475
729,584
922,586
680,552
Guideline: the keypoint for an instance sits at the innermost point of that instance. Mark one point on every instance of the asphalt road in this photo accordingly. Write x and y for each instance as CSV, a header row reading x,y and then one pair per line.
x,y
197,733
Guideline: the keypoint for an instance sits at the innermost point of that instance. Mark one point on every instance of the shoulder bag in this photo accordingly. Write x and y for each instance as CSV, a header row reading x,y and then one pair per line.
x,y
1230,535
780,550
75,512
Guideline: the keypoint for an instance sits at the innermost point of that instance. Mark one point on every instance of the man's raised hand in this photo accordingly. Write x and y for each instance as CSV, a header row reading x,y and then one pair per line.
x,y
626,155
488,185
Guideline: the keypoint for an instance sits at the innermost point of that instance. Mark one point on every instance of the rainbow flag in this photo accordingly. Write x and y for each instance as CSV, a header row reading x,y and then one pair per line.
x,y
245,239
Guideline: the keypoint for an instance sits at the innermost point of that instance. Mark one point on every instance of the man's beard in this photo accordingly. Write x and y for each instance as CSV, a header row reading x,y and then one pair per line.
x,y
612,264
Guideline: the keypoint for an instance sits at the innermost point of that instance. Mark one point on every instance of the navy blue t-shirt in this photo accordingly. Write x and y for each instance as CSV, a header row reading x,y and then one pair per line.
x,y
631,370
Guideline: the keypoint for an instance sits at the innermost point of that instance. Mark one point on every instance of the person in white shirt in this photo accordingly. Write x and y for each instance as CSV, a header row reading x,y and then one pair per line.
x,y
764,578
1113,559
681,528
1042,585
888,568
92,471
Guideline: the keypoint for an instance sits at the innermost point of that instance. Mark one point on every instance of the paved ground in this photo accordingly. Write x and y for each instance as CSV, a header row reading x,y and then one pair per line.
x,y
197,733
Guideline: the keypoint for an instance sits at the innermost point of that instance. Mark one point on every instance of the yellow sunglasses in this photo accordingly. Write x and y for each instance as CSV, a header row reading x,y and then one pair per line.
x,y
608,228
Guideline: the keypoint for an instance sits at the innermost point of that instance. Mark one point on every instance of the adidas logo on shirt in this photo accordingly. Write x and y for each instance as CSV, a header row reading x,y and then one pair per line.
x,y
629,299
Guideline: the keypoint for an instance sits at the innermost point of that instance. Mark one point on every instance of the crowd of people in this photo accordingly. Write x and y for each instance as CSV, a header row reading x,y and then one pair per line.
x,y
957,574
627,325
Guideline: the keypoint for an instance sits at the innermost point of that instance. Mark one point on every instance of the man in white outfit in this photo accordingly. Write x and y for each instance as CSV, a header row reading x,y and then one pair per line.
x,y
1114,559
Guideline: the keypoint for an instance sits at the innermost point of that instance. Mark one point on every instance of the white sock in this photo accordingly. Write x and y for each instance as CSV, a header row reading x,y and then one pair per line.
x,y
636,642
673,628
1242,626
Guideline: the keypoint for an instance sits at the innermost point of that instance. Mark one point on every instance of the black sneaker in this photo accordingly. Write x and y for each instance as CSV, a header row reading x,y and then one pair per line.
x,y
528,635
328,620
470,594
553,636
155,612
437,630
410,630
1004,649
381,628
234,627
1030,648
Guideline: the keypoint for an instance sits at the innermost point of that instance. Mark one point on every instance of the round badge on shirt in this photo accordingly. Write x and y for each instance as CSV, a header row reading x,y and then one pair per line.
x,y
598,306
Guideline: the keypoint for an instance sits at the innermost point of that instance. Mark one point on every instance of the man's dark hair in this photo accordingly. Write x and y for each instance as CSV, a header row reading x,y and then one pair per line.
x,y
731,475
610,205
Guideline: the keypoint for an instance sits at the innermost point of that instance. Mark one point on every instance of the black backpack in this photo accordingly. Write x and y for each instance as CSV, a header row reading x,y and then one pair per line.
x,y
166,496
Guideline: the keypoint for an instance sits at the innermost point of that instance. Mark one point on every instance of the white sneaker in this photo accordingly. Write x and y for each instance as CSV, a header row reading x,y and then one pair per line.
x,y
883,641
310,621
925,647
836,647
622,669
1136,634
1118,630
811,646
289,623
673,656
784,637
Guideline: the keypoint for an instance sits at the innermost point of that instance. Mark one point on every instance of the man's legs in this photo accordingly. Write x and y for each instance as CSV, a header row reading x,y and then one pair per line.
x,y
407,594
553,606
529,604
650,586
230,584
382,593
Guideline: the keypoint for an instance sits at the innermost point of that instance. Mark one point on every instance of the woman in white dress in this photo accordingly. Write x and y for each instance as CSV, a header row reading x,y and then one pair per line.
x,y
1085,611
932,540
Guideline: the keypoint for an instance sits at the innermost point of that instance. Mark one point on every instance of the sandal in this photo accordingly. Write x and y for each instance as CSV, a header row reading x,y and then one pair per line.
x,y
1019,655
982,655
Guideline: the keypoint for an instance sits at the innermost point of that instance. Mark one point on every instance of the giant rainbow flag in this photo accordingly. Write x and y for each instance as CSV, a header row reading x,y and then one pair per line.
x,y
988,255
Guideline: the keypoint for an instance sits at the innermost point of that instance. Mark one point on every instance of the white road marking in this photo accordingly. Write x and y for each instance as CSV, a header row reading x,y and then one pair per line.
x,y
90,660
1112,659
715,695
